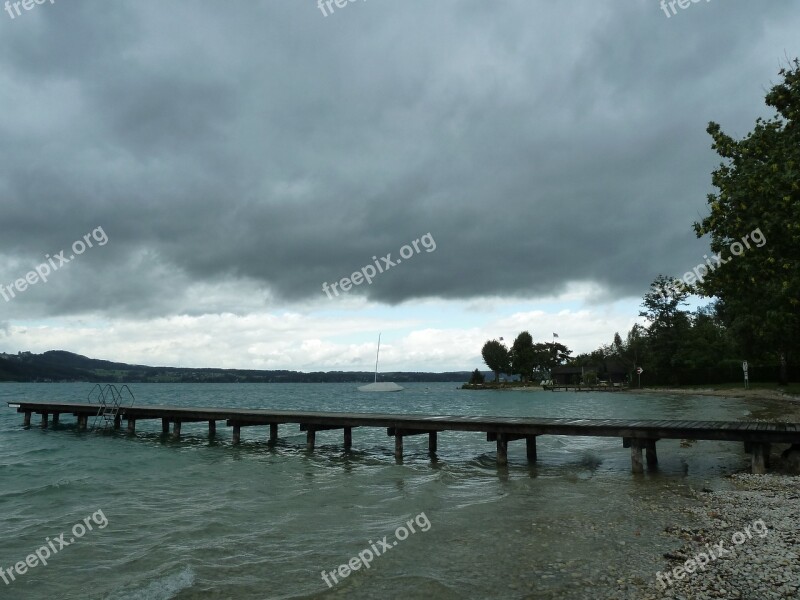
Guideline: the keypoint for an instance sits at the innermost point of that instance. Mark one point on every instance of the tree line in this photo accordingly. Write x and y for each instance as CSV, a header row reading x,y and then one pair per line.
x,y
528,360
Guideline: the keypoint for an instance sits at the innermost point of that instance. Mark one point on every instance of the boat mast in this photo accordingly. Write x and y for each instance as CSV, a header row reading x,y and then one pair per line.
x,y
377,354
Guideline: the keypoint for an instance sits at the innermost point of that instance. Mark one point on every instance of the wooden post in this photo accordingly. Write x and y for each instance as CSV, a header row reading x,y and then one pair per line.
x,y
55,418
83,422
767,451
530,447
165,426
45,417
398,446
237,433
311,438
759,466
502,450
433,442
636,456
117,422
131,425
26,421
348,438
176,428
652,456
212,429
273,434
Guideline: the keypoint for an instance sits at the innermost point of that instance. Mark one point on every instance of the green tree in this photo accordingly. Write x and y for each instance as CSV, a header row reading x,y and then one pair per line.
x,y
635,353
496,357
668,324
549,355
759,191
708,344
477,378
523,356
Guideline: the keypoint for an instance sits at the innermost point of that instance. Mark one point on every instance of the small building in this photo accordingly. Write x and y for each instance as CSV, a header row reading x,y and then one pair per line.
x,y
611,372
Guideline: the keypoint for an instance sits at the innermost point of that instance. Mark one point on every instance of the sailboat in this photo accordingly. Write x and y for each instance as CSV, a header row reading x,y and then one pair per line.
x,y
380,386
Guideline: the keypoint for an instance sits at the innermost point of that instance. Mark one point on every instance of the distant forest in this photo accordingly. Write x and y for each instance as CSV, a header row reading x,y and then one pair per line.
x,y
60,366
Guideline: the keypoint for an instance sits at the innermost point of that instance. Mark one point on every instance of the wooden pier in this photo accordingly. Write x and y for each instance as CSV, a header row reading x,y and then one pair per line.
x,y
638,435
583,388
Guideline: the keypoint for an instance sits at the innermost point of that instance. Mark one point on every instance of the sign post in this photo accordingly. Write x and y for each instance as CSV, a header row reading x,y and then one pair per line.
x,y
640,370
746,377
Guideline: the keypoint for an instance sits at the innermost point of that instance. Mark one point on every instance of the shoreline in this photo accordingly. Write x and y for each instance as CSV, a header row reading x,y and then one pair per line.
x,y
754,394
755,565
745,539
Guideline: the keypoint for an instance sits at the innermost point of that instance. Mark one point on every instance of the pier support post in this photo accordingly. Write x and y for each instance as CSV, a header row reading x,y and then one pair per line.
x,y
117,422
398,446
760,458
311,438
131,425
26,420
636,456
237,433
212,429
348,438
433,442
176,428
273,434
652,456
165,426
83,422
502,450
45,417
530,447
55,418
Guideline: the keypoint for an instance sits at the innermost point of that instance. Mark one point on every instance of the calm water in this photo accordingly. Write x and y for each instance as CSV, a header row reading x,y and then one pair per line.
x,y
200,519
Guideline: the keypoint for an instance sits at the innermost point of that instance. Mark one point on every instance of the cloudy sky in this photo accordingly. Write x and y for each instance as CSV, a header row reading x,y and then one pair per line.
x,y
225,160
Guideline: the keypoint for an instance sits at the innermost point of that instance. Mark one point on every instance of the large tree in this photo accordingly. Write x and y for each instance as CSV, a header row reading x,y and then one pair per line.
x,y
668,324
523,356
759,191
496,357
549,355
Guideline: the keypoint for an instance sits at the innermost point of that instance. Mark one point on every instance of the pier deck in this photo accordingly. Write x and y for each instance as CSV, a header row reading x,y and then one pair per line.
x,y
638,435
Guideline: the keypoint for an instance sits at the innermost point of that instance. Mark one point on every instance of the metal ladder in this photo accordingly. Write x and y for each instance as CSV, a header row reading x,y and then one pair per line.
x,y
111,400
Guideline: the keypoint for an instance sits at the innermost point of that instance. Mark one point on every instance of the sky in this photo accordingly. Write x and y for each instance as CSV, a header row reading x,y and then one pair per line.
x,y
189,177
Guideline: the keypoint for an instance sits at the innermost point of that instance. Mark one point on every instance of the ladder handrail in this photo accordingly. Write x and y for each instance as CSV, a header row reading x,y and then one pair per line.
x,y
110,399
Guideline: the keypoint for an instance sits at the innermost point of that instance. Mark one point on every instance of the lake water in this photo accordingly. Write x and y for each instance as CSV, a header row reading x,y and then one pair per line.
x,y
200,519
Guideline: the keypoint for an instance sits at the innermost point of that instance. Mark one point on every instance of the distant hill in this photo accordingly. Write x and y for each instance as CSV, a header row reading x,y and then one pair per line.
x,y
58,365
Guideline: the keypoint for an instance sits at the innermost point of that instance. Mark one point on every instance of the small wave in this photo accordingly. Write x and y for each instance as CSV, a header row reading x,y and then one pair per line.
x,y
162,589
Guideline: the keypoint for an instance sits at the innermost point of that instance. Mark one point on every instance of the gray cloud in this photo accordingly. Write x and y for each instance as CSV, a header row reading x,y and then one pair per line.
x,y
265,144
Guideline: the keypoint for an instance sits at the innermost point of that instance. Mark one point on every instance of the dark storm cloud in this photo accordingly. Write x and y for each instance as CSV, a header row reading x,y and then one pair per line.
x,y
263,142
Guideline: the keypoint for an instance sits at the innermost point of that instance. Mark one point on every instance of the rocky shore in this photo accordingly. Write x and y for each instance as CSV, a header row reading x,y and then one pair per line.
x,y
743,544
754,393
756,524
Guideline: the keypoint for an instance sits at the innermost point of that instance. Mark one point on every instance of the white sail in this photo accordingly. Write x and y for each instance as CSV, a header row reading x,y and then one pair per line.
x,y
382,386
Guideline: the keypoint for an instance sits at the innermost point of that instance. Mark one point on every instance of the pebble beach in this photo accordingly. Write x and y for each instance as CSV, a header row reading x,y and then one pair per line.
x,y
755,524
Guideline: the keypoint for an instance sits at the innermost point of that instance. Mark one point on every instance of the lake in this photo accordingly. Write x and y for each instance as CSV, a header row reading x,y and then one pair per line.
x,y
202,519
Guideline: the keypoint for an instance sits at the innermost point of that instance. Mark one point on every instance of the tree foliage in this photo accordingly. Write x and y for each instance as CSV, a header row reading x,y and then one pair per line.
x,y
496,357
668,324
759,189
477,378
523,356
